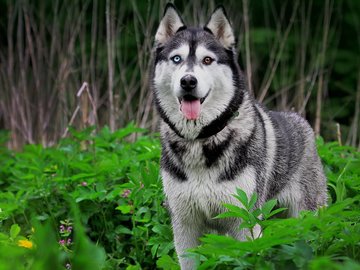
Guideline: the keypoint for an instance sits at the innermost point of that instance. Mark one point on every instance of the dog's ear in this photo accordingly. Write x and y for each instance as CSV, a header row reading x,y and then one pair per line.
x,y
219,25
169,25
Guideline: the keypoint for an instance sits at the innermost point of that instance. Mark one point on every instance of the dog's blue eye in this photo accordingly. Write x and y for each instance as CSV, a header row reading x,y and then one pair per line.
x,y
176,59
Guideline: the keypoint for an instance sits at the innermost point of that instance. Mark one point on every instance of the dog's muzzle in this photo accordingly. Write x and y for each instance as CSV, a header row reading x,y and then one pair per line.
x,y
190,102
188,83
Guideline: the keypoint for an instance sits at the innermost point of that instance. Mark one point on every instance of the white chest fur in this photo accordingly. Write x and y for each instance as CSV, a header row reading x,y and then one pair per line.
x,y
202,195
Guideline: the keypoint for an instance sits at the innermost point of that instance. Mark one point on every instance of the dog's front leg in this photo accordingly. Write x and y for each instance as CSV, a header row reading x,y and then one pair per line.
x,y
186,235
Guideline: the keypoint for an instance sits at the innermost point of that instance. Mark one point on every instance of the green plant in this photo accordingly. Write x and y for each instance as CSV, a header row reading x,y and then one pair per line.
x,y
106,186
250,216
114,183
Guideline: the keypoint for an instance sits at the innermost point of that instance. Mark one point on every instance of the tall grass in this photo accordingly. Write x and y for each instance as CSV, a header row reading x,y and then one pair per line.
x,y
297,55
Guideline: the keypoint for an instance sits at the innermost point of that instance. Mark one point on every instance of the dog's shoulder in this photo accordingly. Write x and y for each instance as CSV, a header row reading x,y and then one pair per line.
x,y
291,122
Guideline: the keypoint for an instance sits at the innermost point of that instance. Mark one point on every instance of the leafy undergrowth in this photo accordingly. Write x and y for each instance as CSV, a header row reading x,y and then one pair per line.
x,y
95,202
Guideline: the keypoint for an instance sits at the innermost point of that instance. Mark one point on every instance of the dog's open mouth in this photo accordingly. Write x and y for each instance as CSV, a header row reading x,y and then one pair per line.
x,y
190,106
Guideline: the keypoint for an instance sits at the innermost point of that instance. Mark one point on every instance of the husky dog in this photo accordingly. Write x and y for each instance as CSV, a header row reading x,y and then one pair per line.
x,y
216,137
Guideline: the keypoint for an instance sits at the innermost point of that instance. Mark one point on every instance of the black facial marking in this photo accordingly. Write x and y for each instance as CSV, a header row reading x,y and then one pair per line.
x,y
213,152
158,55
194,37
192,46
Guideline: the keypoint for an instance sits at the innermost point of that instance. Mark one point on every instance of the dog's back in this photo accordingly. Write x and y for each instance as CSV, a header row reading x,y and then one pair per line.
x,y
298,170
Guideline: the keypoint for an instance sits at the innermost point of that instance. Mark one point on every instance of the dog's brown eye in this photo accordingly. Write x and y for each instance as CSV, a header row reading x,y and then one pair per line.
x,y
207,60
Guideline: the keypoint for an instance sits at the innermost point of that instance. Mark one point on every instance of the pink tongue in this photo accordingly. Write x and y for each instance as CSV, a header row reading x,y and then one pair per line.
x,y
190,109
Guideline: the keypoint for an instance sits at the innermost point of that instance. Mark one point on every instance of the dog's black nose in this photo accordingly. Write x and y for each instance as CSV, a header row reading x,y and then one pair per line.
x,y
188,82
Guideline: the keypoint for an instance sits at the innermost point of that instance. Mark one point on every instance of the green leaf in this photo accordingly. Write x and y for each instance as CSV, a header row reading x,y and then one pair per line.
x,y
161,229
267,207
256,212
231,215
123,230
339,206
242,197
245,225
133,267
253,200
233,208
165,248
154,249
166,262
89,255
82,175
278,210
125,209
252,220
129,129
14,231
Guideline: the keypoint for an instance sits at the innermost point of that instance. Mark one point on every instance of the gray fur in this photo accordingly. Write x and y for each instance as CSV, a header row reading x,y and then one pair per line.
x,y
235,142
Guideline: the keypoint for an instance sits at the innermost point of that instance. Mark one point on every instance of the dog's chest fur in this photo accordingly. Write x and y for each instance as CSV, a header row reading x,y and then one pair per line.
x,y
200,194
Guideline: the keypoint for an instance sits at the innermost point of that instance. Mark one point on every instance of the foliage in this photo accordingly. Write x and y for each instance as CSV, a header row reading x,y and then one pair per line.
x,y
103,192
111,183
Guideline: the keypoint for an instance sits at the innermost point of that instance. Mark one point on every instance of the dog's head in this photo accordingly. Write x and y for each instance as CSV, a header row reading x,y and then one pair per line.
x,y
197,82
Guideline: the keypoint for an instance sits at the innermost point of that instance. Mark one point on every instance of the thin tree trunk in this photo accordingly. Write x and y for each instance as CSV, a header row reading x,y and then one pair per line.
x,y
247,45
109,43
274,67
354,133
319,95
305,28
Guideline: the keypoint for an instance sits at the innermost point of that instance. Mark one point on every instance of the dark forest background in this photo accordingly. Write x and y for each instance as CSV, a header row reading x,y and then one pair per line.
x,y
84,63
